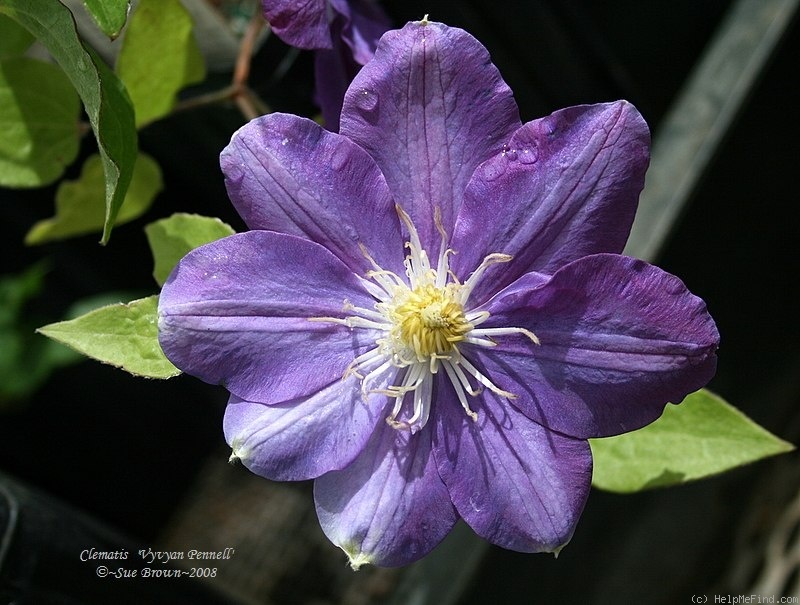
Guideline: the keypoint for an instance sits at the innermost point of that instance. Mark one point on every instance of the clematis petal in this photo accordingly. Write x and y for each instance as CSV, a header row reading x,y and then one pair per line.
x,y
429,108
566,186
333,71
619,339
300,23
364,22
303,438
288,174
237,310
389,507
355,36
516,483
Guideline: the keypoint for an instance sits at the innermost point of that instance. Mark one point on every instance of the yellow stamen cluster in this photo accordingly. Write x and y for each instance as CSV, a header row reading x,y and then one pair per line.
x,y
428,321
422,324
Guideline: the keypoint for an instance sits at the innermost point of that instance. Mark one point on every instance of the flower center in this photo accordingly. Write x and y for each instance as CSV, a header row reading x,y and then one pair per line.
x,y
422,322
428,320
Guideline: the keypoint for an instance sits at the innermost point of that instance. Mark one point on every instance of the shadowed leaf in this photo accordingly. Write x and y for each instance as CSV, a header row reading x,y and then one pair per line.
x,y
106,102
39,113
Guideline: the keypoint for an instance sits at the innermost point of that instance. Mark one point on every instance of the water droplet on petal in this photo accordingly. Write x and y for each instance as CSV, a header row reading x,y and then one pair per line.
x,y
528,155
474,502
284,141
367,101
339,158
510,154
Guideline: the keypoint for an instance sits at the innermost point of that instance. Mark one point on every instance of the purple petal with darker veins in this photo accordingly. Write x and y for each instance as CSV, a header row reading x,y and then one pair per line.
x,y
300,23
288,174
566,186
389,507
236,311
303,438
619,339
516,483
429,108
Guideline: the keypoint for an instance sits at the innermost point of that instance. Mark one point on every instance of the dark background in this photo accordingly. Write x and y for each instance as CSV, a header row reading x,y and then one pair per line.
x,y
125,450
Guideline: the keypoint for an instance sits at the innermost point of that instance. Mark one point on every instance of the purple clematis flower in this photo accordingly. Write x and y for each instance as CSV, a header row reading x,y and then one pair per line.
x,y
344,34
430,315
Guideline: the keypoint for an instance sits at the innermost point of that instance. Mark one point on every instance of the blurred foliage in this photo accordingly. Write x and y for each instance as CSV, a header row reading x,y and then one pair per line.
x,y
159,57
26,360
80,204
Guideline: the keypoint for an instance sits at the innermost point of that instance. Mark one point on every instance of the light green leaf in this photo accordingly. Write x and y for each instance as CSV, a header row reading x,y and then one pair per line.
x,y
122,335
703,436
80,205
159,56
172,238
39,113
110,15
14,39
106,102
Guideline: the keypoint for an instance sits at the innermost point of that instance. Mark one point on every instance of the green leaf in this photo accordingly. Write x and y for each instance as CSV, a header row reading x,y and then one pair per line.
x,y
702,436
159,56
122,335
80,205
110,15
14,39
172,238
106,102
39,113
